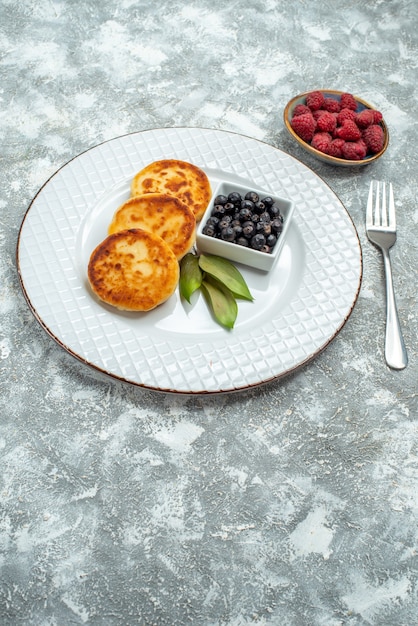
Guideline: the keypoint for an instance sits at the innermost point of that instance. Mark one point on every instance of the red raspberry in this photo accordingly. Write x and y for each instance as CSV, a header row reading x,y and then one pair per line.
x,y
374,138
300,109
304,126
327,122
364,118
321,142
335,148
348,131
377,116
348,101
315,100
354,150
317,113
363,142
345,114
332,105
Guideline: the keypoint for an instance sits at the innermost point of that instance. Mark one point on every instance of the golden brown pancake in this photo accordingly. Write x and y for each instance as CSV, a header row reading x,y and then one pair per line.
x,y
133,270
185,181
161,214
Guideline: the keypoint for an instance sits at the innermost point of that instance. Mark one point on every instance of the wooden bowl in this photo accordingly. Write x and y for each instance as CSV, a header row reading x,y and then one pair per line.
x,y
331,160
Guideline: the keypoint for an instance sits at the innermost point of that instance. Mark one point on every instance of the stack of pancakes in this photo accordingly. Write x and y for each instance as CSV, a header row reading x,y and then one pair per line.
x,y
136,267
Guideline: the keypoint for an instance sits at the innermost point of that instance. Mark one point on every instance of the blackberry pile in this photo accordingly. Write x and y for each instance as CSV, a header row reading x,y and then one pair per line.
x,y
251,221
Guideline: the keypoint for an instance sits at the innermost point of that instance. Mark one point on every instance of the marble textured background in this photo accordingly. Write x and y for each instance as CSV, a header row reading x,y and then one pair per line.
x,y
292,504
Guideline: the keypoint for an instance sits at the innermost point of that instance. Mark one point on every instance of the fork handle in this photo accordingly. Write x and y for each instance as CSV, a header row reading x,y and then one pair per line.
x,y
395,351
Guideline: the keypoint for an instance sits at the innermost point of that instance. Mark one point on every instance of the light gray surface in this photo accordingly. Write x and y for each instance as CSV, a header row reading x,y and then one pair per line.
x,y
291,504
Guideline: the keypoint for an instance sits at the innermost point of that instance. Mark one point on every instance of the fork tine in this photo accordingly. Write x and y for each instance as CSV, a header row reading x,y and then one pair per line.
x,y
384,215
369,213
392,215
377,205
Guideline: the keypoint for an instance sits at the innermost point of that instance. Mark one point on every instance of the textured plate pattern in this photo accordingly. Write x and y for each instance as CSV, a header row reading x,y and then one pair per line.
x,y
300,306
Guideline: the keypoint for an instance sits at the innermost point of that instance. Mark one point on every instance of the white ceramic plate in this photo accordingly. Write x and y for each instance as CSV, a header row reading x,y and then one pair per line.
x,y
299,307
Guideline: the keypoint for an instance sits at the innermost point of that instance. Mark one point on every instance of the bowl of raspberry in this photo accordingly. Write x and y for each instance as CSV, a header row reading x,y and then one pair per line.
x,y
245,225
337,127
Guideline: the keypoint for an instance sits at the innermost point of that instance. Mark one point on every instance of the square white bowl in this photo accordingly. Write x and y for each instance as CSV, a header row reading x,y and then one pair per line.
x,y
233,251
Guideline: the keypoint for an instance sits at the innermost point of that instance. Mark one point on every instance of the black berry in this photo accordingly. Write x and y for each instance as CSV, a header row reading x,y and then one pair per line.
x,y
258,241
227,234
248,229
235,197
251,195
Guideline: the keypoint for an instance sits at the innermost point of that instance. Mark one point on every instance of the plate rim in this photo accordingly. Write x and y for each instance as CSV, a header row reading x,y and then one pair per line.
x,y
201,392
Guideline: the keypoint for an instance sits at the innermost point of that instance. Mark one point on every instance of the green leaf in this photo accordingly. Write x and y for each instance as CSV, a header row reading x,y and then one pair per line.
x,y
221,302
224,271
190,275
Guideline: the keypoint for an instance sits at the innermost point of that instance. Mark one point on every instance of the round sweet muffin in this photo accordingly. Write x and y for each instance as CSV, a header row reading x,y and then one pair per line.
x,y
181,179
133,270
161,214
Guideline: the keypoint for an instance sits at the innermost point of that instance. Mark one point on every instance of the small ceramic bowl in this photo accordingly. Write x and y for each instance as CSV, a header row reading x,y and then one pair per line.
x,y
238,253
329,93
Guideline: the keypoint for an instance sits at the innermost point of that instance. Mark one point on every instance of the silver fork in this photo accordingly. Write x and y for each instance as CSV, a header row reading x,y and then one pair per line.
x,y
381,230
